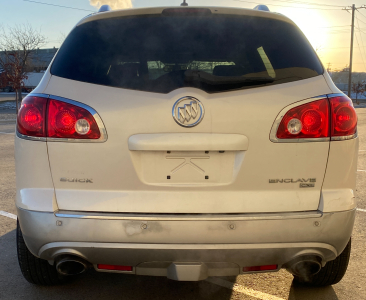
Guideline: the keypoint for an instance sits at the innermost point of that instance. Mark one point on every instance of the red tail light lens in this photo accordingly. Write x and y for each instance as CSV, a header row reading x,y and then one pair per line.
x,y
260,268
310,120
344,118
31,120
114,267
64,118
50,118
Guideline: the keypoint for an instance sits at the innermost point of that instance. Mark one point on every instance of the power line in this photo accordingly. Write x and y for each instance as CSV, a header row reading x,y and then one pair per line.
x,y
362,55
360,52
288,5
69,7
360,20
308,3
363,49
361,14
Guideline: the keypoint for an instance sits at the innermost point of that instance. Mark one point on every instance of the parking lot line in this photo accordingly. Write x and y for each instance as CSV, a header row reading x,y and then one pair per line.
x,y
6,132
241,289
9,215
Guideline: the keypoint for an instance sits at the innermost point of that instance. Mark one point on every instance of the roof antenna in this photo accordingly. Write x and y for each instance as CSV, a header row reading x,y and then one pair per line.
x,y
184,3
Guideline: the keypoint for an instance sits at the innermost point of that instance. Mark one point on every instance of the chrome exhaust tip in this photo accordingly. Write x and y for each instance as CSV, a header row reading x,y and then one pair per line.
x,y
305,266
71,265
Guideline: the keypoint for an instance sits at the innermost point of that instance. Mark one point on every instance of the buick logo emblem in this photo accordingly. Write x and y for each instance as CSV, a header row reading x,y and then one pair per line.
x,y
188,111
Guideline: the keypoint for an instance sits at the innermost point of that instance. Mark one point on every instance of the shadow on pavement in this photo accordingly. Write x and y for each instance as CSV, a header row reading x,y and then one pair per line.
x,y
94,285
300,292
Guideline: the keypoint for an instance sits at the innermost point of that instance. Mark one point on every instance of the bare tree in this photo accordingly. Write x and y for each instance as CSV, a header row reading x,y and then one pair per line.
x,y
359,89
17,43
61,38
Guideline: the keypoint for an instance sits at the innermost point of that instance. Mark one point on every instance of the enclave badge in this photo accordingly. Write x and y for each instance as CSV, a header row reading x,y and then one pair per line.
x,y
188,111
304,183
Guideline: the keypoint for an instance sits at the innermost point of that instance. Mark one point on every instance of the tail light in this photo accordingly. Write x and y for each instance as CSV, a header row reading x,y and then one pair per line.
x,y
115,268
32,117
344,118
260,268
332,117
55,119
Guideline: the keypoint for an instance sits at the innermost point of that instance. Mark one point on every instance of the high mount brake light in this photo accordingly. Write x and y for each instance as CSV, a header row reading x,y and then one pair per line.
x,y
49,118
332,117
186,12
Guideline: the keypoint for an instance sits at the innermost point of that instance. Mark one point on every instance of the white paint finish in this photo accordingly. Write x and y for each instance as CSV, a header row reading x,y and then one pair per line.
x,y
35,189
188,142
249,113
36,199
9,215
340,177
362,210
241,289
330,83
187,168
44,81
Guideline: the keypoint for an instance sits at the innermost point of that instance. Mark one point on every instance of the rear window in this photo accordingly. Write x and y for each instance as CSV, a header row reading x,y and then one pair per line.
x,y
158,53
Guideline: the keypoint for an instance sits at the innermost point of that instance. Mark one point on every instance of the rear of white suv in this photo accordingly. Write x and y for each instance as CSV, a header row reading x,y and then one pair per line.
x,y
187,143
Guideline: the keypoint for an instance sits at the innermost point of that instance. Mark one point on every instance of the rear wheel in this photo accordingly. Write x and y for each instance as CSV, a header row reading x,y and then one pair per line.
x,y
332,272
35,270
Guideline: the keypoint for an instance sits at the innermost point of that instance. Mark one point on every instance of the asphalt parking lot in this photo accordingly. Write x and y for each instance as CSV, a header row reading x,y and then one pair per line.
x,y
93,285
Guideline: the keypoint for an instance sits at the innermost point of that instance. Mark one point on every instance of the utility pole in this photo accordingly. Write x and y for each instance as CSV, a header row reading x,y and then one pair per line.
x,y
351,51
353,8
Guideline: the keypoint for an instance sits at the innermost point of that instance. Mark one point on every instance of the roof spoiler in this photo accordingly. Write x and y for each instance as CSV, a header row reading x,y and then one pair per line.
x,y
261,7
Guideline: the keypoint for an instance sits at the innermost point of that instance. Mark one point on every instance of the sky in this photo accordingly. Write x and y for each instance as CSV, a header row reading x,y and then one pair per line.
x,y
326,24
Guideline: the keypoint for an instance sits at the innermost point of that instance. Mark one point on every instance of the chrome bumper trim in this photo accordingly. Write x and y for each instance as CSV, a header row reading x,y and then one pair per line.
x,y
188,217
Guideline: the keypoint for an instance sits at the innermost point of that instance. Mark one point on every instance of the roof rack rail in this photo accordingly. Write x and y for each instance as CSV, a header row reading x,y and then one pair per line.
x,y
104,8
261,7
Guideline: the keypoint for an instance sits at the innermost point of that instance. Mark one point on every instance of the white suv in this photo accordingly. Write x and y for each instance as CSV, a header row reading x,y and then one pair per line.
x,y
186,142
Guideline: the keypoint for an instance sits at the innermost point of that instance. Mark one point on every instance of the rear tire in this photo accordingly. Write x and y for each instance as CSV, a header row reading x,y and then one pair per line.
x,y
35,270
331,273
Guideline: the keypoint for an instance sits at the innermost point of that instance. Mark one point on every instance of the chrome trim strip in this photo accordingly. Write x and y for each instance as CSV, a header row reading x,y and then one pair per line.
x,y
276,124
98,119
188,217
343,138
31,138
336,95
37,95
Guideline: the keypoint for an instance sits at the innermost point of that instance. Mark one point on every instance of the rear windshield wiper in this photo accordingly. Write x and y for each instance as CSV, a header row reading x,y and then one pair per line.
x,y
201,76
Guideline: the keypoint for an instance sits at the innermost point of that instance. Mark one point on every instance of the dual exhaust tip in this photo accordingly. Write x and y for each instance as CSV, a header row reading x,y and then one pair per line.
x,y
71,265
302,266
305,266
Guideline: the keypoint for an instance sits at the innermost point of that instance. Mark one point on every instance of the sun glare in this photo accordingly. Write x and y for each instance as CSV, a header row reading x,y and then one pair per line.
x,y
311,23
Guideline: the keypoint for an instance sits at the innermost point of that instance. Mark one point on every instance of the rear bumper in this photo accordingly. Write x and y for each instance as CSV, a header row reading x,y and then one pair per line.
x,y
225,244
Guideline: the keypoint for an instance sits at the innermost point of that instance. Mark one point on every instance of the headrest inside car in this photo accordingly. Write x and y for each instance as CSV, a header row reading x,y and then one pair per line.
x,y
228,71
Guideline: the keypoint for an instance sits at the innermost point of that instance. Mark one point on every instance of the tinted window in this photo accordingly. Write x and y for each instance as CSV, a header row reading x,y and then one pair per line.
x,y
162,53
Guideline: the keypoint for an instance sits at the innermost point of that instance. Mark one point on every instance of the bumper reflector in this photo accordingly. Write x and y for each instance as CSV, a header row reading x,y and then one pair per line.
x,y
260,268
114,267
